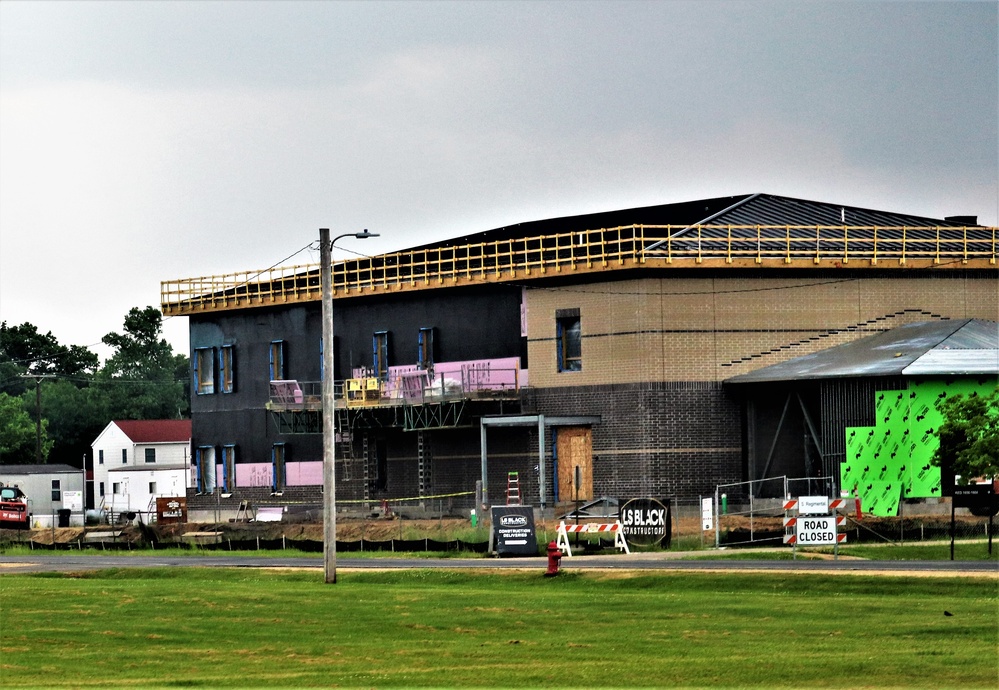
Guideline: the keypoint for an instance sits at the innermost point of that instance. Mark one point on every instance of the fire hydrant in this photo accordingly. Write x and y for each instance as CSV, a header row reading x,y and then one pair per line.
x,y
554,557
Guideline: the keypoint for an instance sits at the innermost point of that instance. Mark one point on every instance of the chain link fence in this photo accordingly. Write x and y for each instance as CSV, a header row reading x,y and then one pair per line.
x,y
751,514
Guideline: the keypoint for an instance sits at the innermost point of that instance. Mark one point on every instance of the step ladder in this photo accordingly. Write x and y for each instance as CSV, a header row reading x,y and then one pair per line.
x,y
512,489
244,513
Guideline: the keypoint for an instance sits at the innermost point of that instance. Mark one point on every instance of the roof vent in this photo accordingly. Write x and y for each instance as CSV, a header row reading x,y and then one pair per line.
x,y
963,220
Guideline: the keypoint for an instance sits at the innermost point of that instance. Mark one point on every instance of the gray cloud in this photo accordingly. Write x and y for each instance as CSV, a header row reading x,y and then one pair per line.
x,y
173,139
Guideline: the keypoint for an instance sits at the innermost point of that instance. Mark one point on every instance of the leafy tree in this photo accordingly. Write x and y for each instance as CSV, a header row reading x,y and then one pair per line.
x,y
18,433
24,350
74,416
139,381
969,436
143,379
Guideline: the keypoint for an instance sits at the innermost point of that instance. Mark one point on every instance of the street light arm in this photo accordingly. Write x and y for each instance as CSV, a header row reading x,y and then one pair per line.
x,y
363,235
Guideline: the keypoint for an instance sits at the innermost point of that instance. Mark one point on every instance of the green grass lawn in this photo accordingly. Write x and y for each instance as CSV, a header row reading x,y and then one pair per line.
x,y
198,627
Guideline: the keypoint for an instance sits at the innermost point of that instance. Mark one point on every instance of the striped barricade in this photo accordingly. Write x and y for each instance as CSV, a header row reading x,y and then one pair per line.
x,y
614,528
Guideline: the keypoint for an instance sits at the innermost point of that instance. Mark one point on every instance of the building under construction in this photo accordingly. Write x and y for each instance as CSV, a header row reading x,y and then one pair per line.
x,y
594,346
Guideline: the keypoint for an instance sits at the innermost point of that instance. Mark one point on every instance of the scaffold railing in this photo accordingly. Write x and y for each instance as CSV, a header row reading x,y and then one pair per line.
x,y
606,249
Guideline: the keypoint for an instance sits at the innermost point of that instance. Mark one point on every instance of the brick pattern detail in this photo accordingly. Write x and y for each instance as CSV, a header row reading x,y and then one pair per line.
x,y
709,328
257,496
656,439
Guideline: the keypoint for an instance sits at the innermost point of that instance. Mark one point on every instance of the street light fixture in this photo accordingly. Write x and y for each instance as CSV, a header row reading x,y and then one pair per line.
x,y
329,399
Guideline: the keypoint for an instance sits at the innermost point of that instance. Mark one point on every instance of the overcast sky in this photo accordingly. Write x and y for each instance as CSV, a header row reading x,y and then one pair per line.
x,y
145,141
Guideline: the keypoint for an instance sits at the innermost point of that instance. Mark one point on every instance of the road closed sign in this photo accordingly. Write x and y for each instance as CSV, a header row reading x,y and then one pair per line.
x,y
816,531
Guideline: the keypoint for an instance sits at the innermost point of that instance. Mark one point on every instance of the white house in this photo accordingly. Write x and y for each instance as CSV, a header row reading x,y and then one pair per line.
x,y
136,462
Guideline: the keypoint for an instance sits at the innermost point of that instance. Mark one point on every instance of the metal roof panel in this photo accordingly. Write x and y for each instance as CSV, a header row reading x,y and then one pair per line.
x,y
943,361
890,353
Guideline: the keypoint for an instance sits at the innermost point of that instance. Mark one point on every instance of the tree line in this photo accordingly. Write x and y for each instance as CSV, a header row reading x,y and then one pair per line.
x,y
67,394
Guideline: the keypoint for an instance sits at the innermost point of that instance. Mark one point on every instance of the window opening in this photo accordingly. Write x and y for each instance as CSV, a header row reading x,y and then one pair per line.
x,y
425,343
276,359
380,362
100,454
101,488
56,490
204,458
124,456
228,468
152,488
150,455
569,342
116,488
204,371
227,369
278,452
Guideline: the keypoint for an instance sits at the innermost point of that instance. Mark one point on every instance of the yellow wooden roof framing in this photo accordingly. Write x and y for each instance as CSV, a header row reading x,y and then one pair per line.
x,y
592,251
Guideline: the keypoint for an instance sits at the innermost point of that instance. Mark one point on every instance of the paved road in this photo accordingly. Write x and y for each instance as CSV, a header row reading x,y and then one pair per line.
x,y
653,562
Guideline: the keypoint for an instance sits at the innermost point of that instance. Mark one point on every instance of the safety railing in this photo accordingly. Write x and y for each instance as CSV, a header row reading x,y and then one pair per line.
x,y
405,385
593,250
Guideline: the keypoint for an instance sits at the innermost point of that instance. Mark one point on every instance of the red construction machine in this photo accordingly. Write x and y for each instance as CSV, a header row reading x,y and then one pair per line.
x,y
13,508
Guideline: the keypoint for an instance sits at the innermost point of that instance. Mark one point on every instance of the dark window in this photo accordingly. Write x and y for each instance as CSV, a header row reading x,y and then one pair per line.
x,y
204,371
568,341
276,359
228,468
227,369
278,453
380,363
101,488
124,456
100,454
152,488
150,455
204,458
425,343
56,490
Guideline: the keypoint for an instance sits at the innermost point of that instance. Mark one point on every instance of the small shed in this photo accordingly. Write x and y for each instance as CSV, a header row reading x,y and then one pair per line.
x,y
50,489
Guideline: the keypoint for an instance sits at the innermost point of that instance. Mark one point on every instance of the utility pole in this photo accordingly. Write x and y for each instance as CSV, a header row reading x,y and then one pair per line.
x,y
38,411
329,399
329,415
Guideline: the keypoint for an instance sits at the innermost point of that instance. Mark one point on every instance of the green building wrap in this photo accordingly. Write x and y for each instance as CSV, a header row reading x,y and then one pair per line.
x,y
891,460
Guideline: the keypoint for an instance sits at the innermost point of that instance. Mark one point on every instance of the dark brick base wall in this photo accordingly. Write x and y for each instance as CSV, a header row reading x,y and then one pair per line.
x,y
676,440
656,439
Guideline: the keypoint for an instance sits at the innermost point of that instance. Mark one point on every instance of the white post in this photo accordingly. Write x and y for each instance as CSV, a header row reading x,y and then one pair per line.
x,y
717,517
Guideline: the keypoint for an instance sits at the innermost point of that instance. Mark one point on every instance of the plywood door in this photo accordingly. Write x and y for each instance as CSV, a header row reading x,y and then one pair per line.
x,y
575,449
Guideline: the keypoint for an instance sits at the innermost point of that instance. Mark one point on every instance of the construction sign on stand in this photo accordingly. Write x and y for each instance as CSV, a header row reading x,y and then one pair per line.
x,y
513,531
810,527
814,530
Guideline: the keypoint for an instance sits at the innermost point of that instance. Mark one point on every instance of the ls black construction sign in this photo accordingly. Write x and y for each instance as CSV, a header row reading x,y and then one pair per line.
x,y
646,521
513,531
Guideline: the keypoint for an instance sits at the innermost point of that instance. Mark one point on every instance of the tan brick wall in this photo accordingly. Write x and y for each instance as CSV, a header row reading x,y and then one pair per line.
x,y
712,328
